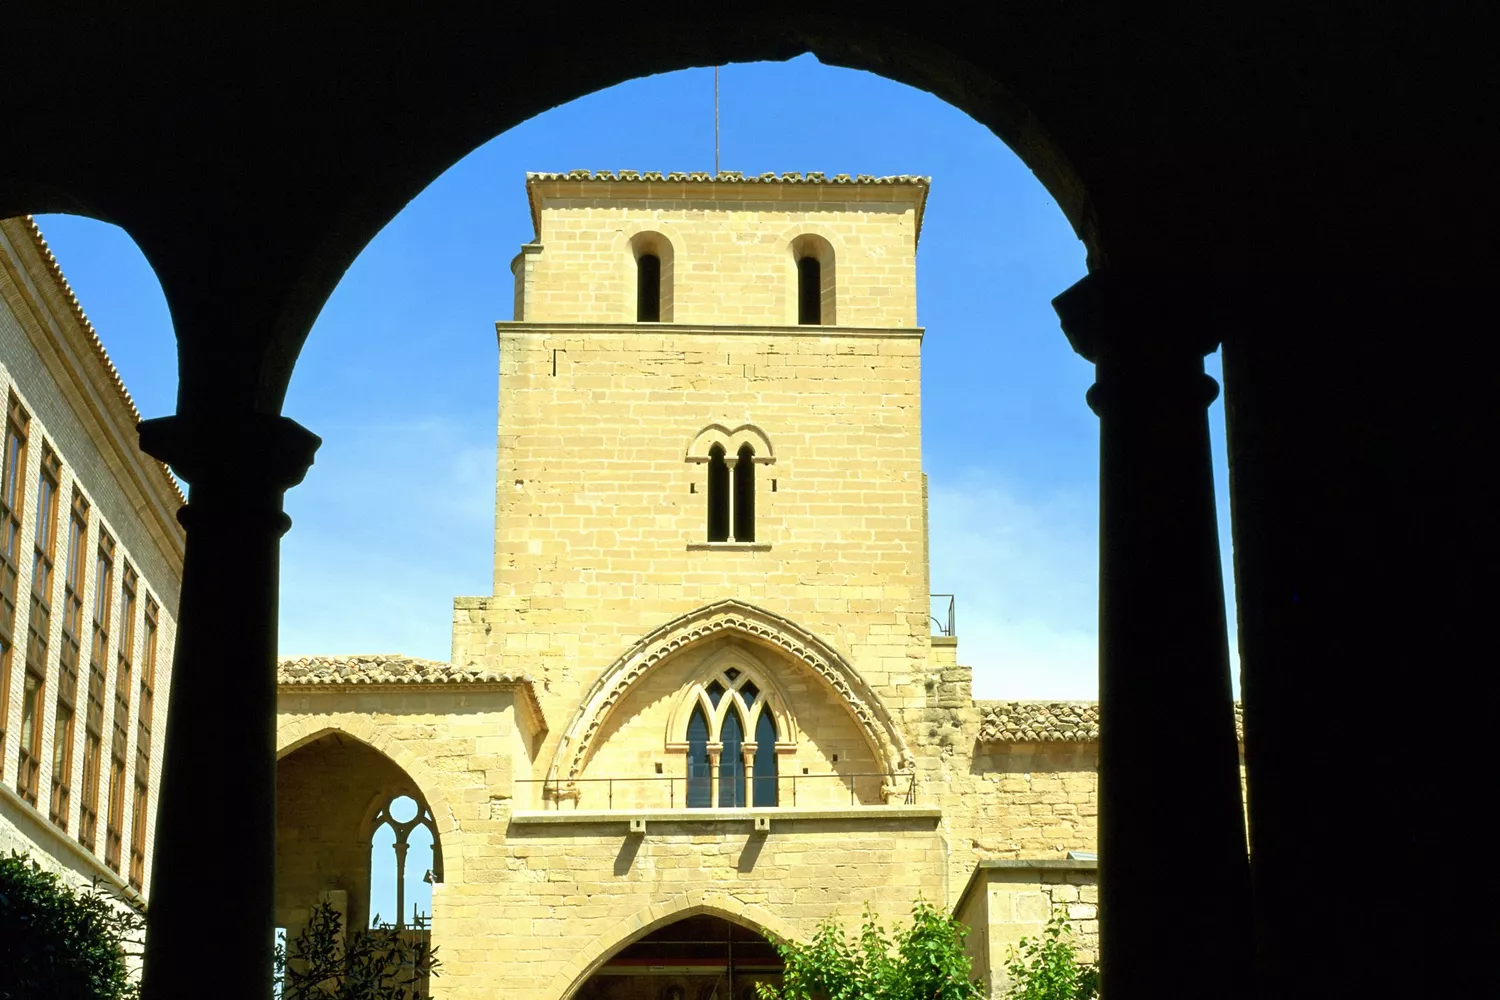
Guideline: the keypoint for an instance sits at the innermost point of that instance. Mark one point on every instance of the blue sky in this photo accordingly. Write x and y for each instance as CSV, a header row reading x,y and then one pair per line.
x,y
399,373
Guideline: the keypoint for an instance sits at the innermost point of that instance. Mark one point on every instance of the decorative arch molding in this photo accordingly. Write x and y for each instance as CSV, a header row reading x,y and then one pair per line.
x,y
295,733
760,627
693,903
731,439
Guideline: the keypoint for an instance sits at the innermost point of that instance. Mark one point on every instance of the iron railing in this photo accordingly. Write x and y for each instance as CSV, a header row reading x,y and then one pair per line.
x,y
943,628
863,786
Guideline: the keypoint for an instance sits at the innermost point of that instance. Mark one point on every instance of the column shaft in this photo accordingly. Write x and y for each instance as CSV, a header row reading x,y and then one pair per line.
x,y
210,921
1174,872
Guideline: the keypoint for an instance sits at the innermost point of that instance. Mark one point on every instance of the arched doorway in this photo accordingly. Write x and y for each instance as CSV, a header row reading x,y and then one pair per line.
x,y
342,807
701,957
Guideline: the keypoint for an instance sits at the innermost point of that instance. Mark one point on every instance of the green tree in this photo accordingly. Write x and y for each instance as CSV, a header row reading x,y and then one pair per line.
x,y
325,964
60,944
924,961
1045,967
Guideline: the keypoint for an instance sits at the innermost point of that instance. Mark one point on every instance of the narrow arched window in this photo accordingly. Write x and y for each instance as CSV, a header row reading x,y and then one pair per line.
x,y
765,761
732,761
809,291
718,495
648,288
744,495
699,772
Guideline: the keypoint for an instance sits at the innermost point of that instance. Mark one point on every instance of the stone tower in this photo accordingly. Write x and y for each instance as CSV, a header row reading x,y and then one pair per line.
x,y
710,391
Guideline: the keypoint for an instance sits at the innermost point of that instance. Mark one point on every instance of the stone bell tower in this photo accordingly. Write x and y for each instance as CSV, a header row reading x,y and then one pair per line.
x,y
710,390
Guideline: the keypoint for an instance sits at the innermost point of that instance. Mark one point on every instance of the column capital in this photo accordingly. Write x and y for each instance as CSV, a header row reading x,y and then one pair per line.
x,y
1113,317
241,450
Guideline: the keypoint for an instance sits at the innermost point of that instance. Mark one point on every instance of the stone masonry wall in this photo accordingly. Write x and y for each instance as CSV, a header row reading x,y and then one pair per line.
x,y
601,521
729,258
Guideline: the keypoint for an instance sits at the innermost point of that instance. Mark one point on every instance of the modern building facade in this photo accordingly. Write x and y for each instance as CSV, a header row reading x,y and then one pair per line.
x,y
711,700
90,568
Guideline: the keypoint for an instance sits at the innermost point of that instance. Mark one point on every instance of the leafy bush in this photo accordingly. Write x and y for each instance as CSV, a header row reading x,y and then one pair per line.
x,y
925,961
365,965
1046,968
60,944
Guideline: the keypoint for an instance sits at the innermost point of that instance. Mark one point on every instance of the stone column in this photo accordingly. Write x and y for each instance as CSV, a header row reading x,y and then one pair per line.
x,y
715,750
747,753
210,922
1174,873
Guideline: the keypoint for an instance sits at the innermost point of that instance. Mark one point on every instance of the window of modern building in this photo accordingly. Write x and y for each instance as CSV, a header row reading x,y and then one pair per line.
x,y
93,720
138,813
59,805
119,743
39,627
12,474
809,291
404,863
648,288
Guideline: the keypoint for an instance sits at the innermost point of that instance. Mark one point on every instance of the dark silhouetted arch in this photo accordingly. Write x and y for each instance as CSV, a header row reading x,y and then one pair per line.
x,y
765,761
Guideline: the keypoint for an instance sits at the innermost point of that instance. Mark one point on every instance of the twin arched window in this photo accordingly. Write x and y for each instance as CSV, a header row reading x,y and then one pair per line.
x,y
731,495
731,745
731,457
812,254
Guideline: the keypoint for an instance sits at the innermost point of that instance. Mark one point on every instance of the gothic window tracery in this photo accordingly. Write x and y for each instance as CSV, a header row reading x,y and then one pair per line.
x,y
405,861
731,738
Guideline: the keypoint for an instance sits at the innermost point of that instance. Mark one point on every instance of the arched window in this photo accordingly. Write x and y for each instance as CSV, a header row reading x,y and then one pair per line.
x,y
699,772
404,863
732,760
744,495
652,256
648,288
765,761
718,495
809,291
732,726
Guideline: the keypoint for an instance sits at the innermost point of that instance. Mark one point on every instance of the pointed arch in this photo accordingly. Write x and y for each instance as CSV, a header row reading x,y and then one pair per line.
x,y
295,732
759,627
627,931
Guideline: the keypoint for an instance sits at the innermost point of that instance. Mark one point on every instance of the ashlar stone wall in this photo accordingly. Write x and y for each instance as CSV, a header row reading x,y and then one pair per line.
x,y
728,248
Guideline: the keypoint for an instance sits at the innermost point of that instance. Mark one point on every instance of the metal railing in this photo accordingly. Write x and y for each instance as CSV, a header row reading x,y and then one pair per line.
x,y
604,793
942,628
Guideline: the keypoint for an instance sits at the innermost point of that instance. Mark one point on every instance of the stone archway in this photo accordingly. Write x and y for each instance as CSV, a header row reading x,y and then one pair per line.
x,y
567,983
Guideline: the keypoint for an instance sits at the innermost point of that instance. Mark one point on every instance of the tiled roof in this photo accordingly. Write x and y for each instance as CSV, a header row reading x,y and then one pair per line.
x,y
1050,721
97,344
726,177
378,668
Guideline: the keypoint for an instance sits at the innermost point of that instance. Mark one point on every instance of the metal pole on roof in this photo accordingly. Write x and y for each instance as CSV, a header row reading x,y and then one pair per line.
x,y
716,121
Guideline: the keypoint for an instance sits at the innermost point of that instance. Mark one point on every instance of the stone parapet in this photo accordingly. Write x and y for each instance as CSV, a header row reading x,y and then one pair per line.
x,y
1051,721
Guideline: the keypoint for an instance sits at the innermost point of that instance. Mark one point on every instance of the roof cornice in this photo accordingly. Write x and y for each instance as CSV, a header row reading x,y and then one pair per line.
x,y
1051,721
377,670
725,179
